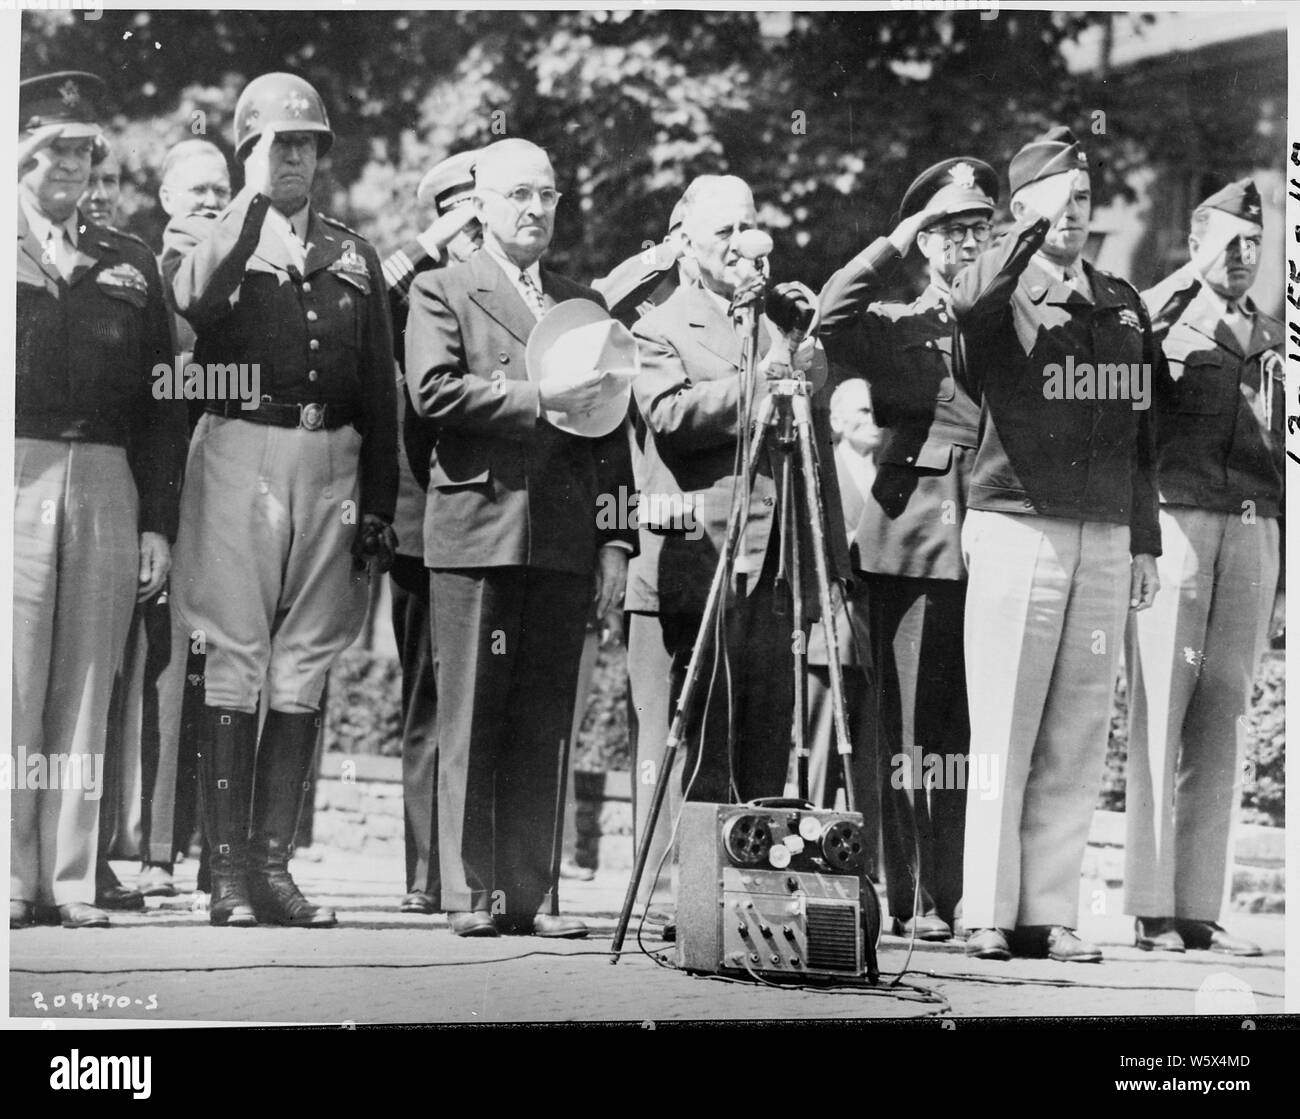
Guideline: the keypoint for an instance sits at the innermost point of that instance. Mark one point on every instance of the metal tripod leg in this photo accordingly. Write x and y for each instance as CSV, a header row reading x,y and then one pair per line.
x,y
685,701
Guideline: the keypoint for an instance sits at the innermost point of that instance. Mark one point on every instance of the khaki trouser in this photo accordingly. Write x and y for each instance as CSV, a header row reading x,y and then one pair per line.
x,y
1045,612
263,575
76,569
1191,662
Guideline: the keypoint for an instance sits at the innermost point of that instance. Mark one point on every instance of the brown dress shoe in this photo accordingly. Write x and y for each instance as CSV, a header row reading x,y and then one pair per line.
x,y
929,926
1207,936
1157,934
417,901
22,914
121,898
79,915
1055,942
474,923
543,924
988,944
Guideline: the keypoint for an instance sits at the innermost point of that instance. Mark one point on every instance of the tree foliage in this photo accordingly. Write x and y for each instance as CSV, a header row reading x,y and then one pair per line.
x,y
827,114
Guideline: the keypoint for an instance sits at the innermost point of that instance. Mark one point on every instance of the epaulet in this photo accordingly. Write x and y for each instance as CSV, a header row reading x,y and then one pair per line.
x,y
1119,281
339,225
112,230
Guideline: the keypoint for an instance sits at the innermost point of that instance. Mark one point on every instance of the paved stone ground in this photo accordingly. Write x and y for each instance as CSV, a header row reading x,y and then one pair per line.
x,y
385,967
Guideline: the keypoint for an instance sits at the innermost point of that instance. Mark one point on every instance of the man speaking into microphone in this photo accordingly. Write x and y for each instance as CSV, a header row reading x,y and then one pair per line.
x,y
690,394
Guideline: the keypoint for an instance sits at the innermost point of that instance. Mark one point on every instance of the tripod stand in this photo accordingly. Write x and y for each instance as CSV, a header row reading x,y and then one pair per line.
x,y
785,419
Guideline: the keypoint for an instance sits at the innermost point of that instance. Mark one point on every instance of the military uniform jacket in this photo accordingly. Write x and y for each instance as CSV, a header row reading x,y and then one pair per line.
x,y
1215,447
86,352
687,396
1081,458
911,524
322,336
400,270
506,487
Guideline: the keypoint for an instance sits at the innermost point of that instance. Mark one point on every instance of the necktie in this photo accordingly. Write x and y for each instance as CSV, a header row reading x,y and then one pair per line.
x,y
57,250
534,296
1238,322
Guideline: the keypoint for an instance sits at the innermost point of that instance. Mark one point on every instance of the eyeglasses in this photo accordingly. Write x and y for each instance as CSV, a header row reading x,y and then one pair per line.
x,y
522,195
955,235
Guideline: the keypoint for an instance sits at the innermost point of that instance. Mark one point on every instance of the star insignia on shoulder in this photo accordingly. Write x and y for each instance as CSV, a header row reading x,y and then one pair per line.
x,y
70,92
963,174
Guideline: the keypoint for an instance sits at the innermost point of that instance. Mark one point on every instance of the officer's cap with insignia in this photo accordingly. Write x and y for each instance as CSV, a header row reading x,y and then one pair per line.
x,y
1053,153
449,183
952,186
1240,199
71,98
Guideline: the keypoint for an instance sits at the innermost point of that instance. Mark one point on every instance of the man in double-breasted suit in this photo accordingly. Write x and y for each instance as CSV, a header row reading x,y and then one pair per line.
x,y
688,395
512,541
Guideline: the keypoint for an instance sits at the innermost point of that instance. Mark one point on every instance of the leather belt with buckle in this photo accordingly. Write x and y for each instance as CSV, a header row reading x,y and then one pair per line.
x,y
309,417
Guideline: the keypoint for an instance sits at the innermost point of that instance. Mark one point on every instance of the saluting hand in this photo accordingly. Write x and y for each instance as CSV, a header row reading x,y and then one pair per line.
x,y
1048,198
443,229
257,167
1143,582
29,145
155,562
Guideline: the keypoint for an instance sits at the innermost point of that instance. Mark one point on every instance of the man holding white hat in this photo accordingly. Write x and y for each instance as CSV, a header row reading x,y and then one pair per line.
x,y
514,545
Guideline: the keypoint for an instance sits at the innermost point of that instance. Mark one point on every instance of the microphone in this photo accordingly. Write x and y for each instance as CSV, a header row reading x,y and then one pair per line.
x,y
789,306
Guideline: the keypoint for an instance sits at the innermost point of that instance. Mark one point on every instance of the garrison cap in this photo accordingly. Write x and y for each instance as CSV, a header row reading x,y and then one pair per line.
x,y
72,98
1240,199
676,217
1053,153
956,185
449,183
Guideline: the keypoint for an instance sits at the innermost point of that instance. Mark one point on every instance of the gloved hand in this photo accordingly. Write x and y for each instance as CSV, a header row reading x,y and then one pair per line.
x,y
375,540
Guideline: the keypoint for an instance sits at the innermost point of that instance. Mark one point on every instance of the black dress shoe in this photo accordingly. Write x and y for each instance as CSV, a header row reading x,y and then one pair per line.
x,y
988,944
22,914
1157,934
79,915
1054,942
417,901
929,926
1206,936
120,898
475,923
543,924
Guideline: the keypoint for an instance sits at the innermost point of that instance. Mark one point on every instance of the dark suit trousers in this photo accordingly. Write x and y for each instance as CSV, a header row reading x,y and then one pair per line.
x,y
508,641
755,699
825,766
920,701
413,631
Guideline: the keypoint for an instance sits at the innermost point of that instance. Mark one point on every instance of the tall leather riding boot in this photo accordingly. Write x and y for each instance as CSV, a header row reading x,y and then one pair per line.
x,y
225,761
283,774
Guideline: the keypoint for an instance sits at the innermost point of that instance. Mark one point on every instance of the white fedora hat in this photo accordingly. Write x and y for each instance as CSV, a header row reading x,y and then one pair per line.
x,y
575,341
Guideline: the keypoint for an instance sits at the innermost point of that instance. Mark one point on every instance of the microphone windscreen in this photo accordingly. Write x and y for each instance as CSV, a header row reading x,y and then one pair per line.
x,y
753,244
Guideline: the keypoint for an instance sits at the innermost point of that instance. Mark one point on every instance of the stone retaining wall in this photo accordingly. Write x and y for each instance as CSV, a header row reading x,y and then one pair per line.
x,y
359,809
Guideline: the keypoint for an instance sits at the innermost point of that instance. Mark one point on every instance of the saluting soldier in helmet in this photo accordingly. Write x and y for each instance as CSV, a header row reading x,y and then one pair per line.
x,y
290,493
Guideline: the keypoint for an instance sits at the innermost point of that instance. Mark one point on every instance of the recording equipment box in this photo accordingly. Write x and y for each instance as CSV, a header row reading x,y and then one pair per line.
x,y
775,889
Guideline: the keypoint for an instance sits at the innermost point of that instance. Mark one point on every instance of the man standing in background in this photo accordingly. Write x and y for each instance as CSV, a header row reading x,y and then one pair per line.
x,y
453,236
1221,459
